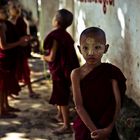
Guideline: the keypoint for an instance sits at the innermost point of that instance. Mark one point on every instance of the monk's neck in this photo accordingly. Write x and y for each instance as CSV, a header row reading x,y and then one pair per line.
x,y
13,19
87,68
92,66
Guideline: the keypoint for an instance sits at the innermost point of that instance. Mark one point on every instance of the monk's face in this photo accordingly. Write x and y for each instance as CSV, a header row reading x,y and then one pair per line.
x,y
3,15
54,22
92,48
14,11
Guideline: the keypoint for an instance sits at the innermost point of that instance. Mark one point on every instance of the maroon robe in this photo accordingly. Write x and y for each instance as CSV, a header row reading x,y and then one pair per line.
x,y
22,69
66,60
98,99
8,81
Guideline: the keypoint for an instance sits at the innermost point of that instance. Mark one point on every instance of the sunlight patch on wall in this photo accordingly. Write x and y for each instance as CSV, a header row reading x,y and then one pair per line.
x,y
122,21
39,2
81,24
80,27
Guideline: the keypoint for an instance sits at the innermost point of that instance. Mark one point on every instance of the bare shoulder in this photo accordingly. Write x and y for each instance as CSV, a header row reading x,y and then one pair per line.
x,y
76,73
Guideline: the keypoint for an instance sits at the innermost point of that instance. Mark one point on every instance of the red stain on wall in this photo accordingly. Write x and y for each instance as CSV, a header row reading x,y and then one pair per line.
x,y
103,2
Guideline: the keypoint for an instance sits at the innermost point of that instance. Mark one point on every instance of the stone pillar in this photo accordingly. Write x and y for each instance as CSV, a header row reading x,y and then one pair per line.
x,y
69,5
47,11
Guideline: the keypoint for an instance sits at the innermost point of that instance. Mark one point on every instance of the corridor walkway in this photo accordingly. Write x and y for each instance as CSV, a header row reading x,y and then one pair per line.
x,y
34,121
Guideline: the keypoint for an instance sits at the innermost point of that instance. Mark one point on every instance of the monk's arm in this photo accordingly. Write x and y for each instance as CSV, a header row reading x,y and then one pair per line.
x,y
52,54
5,46
117,96
75,79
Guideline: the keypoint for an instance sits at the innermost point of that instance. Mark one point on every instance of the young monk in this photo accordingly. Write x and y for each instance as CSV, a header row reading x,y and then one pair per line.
x,y
61,58
98,90
9,43
23,70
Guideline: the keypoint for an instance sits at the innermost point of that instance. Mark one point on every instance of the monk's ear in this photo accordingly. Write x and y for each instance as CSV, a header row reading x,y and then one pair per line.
x,y
106,47
79,48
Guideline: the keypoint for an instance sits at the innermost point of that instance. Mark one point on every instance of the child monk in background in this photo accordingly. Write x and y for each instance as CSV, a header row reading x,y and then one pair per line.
x,y
9,43
23,69
62,59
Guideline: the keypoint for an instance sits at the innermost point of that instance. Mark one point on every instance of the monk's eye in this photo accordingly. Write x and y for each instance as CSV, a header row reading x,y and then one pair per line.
x,y
97,47
85,48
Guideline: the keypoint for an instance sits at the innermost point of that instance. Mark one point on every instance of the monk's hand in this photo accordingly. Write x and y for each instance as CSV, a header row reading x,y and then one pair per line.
x,y
23,41
93,135
100,134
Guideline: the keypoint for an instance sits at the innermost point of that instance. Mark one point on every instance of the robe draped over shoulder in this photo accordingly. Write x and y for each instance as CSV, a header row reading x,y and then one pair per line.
x,y
22,68
65,61
98,98
8,81
66,58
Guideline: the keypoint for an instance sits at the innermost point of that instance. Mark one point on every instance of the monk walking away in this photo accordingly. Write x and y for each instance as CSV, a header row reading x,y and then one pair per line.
x,y
98,90
62,59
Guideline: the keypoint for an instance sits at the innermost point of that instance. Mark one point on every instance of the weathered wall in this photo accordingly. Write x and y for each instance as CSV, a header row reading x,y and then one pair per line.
x,y
122,26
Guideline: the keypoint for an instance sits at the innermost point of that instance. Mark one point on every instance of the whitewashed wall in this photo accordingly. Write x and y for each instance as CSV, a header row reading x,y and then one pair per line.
x,y
122,26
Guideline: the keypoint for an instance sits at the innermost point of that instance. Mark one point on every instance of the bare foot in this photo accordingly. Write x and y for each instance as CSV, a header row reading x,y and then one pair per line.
x,y
62,130
13,97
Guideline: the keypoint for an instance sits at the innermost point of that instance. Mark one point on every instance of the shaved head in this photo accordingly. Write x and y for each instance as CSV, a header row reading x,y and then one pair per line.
x,y
93,32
